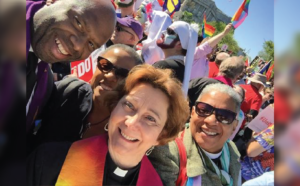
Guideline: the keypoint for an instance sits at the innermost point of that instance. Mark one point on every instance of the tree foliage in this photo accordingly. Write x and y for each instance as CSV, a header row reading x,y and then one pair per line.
x,y
187,17
268,51
228,39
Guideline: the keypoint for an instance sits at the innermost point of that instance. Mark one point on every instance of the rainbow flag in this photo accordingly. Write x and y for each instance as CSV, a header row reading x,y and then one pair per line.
x,y
207,30
265,68
172,6
194,181
270,72
240,14
247,62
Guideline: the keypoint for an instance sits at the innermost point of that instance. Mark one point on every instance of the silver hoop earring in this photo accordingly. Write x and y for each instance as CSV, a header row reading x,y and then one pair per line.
x,y
148,152
106,127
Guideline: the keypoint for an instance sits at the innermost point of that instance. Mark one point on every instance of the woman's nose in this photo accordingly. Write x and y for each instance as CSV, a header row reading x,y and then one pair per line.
x,y
211,119
132,121
110,76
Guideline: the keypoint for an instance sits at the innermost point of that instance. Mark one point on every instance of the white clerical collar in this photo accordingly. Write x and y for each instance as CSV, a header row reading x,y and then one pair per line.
x,y
31,49
176,57
120,172
211,155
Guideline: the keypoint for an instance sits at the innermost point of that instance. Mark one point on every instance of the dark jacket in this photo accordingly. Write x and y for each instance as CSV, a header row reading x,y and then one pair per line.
x,y
176,65
64,118
39,78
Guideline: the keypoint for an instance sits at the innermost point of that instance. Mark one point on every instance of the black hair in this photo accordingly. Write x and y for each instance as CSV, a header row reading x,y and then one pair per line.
x,y
183,52
200,39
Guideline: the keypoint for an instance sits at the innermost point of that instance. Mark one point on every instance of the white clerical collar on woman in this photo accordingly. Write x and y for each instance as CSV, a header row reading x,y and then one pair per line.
x,y
211,155
120,172
180,57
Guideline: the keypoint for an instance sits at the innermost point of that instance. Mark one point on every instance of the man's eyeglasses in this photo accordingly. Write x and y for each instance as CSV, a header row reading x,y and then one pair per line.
x,y
120,29
106,66
222,115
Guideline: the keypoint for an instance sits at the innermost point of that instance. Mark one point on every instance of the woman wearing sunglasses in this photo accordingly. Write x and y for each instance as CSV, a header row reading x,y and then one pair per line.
x,y
151,112
203,155
78,109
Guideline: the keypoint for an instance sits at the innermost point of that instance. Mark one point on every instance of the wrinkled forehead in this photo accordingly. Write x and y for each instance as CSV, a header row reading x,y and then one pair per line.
x,y
83,5
95,16
218,99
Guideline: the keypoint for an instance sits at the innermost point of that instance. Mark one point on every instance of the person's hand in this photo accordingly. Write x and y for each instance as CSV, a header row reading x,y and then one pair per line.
x,y
249,117
227,28
74,74
55,77
49,2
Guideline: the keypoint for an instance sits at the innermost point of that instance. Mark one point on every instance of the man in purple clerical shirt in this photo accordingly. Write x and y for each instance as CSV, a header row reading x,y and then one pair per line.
x,y
67,30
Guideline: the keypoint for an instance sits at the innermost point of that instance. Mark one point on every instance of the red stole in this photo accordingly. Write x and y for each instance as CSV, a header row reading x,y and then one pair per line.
x,y
225,80
85,161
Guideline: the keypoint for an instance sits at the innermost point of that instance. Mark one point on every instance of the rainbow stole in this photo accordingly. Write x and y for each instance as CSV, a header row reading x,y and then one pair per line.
x,y
84,164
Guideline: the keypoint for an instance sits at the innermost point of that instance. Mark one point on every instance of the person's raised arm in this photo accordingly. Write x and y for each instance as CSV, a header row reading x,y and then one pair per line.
x,y
262,141
254,149
216,39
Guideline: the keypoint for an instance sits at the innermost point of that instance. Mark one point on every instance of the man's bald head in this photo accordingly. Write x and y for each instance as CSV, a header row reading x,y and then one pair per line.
x,y
70,30
126,49
221,57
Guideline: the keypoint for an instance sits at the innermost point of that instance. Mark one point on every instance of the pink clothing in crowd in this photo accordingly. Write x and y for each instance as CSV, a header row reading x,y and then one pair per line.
x,y
225,80
200,66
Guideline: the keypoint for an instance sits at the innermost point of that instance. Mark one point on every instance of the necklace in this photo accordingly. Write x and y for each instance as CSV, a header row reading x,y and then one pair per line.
x,y
89,125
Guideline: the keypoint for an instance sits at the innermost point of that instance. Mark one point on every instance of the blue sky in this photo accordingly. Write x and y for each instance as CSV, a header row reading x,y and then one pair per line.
x,y
286,23
258,25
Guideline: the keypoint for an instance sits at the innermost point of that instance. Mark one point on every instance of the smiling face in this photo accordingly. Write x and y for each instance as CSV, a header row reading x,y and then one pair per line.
x,y
136,123
209,133
70,30
125,3
102,82
124,35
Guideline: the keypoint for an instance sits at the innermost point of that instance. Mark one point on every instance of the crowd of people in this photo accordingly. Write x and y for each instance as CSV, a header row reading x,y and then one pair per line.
x,y
165,106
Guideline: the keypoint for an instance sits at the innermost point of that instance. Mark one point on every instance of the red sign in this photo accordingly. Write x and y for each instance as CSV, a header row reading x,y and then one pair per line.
x,y
86,68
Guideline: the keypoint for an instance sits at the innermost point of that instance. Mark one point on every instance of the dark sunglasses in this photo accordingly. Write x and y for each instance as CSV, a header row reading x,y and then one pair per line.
x,y
171,32
120,29
222,115
106,66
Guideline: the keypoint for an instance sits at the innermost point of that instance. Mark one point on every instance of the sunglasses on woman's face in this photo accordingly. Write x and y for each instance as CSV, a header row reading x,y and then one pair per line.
x,y
106,66
222,115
